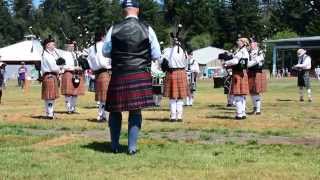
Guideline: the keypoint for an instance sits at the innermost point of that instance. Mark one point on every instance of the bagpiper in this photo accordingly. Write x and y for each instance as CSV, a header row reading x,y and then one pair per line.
x,y
50,71
256,77
176,83
72,81
303,67
240,87
132,45
193,71
101,67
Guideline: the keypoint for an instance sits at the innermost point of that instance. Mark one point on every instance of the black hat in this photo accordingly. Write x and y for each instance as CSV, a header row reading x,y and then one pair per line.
x,y
130,3
71,41
47,41
253,39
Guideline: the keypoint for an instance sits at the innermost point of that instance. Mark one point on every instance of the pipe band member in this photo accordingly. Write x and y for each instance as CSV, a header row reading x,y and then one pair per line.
x,y
193,70
176,83
256,77
101,67
50,71
2,78
303,67
72,81
239,86
132,45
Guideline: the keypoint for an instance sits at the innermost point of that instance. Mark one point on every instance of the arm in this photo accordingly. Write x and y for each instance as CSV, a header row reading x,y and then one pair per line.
x,y
305,65
107,46
155,45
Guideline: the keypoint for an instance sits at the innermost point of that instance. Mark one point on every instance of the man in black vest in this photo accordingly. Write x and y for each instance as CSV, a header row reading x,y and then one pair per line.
x,y
132,45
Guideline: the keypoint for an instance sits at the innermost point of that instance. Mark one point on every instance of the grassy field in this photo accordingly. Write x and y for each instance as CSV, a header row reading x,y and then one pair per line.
x,y
282,143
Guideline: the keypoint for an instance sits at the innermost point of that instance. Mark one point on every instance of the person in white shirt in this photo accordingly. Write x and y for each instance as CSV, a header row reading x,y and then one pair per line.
x,y
303,67
256,77
157,82
49,71
101,67
240,87
192,71
2,77
176,83
72,81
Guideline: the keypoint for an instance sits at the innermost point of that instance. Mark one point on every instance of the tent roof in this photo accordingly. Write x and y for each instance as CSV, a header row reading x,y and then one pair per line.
x,y
27,51
206,55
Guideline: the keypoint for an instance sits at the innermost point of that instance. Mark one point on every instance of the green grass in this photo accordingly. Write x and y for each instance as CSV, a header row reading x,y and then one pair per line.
x,y
282,143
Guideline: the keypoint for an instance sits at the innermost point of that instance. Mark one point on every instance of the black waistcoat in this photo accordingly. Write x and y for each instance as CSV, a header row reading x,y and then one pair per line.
x,y
130,46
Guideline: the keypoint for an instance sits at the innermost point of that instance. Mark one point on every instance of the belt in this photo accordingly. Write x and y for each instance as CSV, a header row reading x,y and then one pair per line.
x,y
102,71
50,73
175,69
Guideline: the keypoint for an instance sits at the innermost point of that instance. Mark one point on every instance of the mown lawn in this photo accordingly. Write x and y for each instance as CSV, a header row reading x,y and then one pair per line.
x,y
282,143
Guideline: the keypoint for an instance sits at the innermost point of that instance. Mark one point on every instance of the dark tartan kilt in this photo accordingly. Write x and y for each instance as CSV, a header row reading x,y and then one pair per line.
x,y
240,84
130,91
50,88
101,86
67,86
176,84
304,79
257,82
157,89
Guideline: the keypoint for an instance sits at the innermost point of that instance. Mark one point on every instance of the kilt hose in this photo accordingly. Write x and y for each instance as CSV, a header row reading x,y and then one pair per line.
x,y
176,84
257,82
101,86
240,85
67,86
129,91
304,79
50,88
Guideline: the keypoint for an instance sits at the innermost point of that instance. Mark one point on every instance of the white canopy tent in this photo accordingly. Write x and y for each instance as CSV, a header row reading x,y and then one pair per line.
x,y
206,55
28,51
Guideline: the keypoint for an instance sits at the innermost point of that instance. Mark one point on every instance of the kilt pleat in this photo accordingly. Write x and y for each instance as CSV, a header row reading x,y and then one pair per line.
x,y
176,84
130,91
50,88
257,82
67,87
240,85
101,84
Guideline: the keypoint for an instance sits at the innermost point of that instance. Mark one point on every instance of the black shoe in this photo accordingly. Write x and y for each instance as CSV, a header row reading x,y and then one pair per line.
x,y
310,100
238,118
49,117
132,153
301,100
173,120
116,151
179,120
229,105
257,113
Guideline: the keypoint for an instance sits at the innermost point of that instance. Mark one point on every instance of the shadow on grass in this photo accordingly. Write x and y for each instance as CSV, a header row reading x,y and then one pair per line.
x,y
157,109
39,117
220,117
158,119
96,121
285,100
61,112
104,147
90,107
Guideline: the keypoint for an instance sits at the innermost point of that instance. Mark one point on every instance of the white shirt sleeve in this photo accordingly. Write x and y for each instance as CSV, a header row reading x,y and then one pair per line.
x,y
306,63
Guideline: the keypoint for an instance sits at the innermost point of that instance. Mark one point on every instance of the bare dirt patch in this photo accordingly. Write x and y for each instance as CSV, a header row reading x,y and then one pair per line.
x,y
55,142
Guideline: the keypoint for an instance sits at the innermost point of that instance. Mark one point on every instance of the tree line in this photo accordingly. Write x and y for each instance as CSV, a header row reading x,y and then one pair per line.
x,y
206,22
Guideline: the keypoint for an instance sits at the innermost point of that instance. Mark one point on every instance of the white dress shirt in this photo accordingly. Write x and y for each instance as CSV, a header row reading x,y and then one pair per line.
x,y
176,59
239,54
194,66
95,58
48,62
70,58
256,57
304,62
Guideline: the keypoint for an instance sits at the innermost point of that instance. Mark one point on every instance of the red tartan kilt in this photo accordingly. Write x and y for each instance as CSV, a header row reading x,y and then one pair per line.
x,y
102,82
257,82
240,85
176,84
67,87
130,91
50,88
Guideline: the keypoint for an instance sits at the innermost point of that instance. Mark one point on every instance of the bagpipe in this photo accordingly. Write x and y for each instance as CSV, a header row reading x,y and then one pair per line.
x,y
176,40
